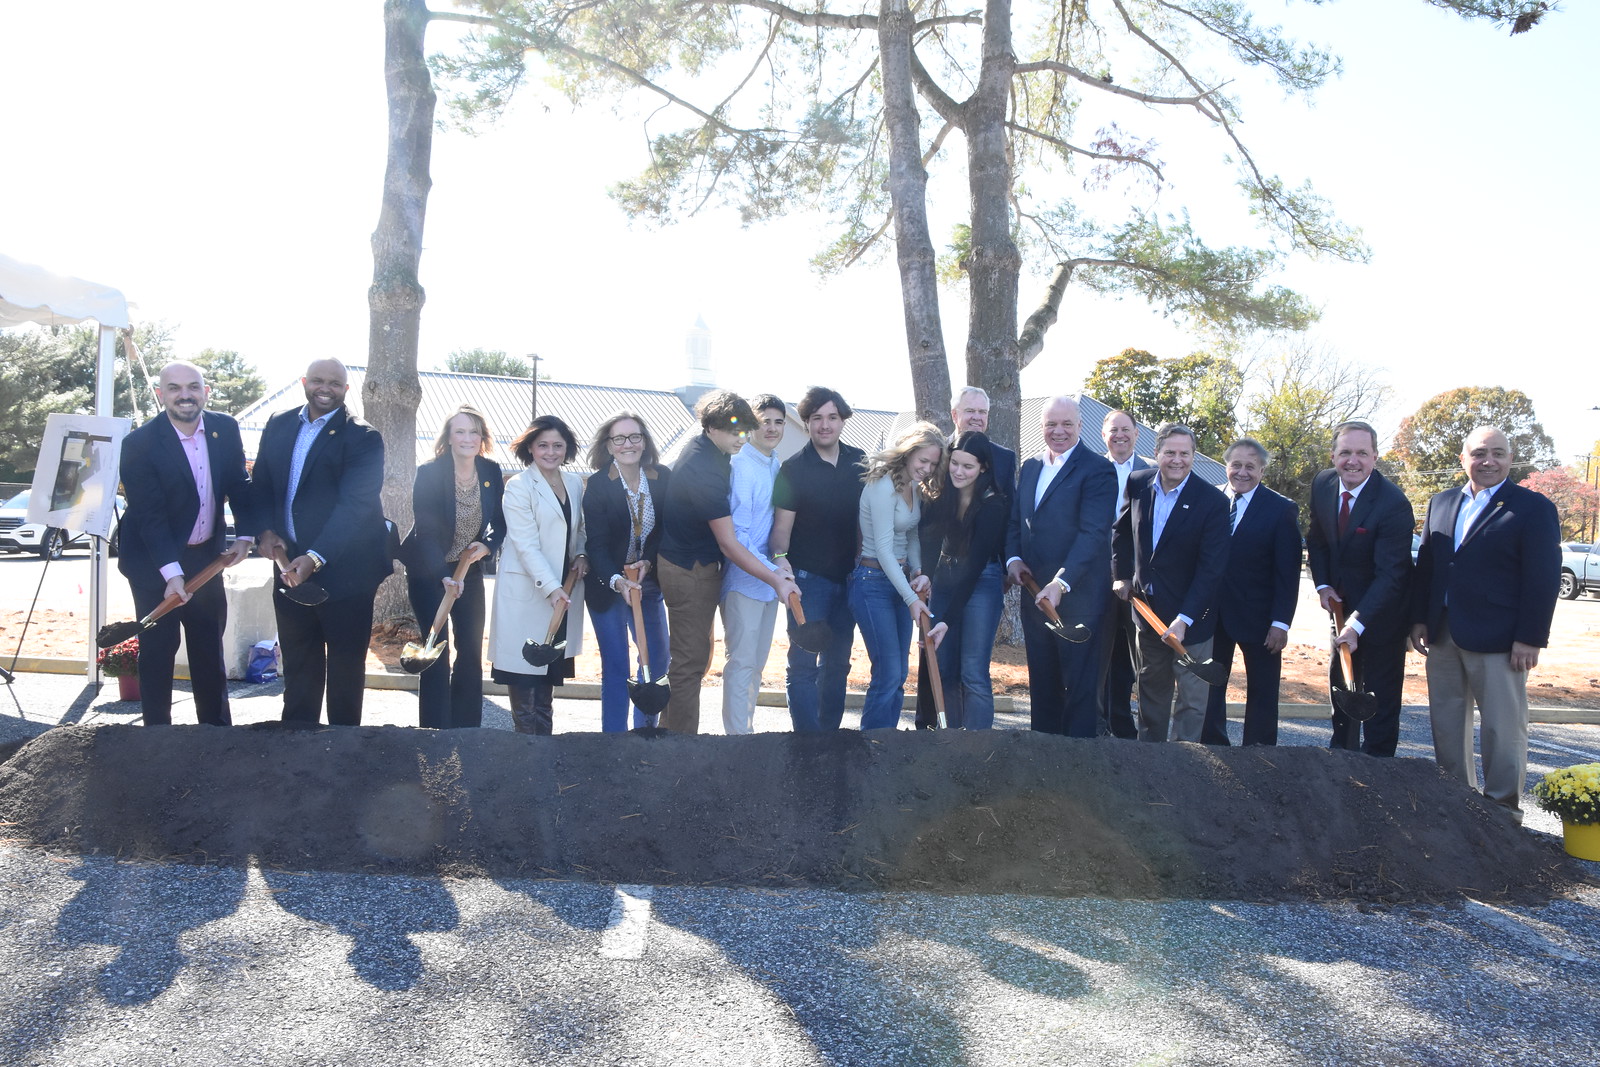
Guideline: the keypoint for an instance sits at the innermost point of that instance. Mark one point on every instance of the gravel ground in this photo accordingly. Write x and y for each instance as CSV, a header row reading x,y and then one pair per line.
x,y
145,964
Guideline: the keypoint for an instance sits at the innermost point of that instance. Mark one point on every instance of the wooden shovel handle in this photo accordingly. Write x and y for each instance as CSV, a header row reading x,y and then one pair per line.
x,y
796,609
1149,615
931,658
1044,605
212,569
468,558
636,601
561,608
1347,663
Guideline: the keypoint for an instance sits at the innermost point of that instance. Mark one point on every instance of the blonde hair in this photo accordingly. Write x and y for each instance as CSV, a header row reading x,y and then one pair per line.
x,y
894,462
441,444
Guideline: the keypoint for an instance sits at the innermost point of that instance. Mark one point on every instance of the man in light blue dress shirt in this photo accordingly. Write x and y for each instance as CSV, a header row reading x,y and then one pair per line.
x,y
749,605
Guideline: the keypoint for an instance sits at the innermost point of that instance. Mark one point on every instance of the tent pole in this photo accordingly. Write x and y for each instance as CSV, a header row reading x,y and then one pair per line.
x,y
104,382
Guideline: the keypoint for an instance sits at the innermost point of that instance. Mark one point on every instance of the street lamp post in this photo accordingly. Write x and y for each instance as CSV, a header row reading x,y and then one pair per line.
x,y
533,363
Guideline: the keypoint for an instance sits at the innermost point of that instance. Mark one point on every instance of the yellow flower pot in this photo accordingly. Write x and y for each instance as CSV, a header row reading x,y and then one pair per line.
x,y
1581,839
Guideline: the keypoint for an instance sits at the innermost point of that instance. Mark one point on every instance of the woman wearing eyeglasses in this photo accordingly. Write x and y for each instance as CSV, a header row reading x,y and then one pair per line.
x,y
622,513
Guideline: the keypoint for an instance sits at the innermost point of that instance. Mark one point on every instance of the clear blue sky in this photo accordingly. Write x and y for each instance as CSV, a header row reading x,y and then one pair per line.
x,y
221,164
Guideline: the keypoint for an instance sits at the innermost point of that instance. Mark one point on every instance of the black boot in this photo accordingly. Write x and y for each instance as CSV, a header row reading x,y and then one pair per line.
x,y
533,707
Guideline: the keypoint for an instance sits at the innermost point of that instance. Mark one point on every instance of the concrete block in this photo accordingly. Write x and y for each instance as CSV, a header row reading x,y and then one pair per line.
x,y
250,617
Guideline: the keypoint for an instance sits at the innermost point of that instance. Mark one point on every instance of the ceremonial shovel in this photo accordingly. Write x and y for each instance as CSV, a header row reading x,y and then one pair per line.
x,y
414,658
546,653
114,633
814,637
930,660
1348,700
1209,672
1077,633
652,695
308,593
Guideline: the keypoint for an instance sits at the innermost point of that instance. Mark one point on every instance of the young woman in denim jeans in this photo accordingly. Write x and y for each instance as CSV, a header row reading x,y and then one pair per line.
x,y
884,586
963,536
621,510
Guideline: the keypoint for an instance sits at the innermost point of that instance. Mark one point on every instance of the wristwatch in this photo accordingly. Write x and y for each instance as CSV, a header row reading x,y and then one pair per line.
x,y
317,562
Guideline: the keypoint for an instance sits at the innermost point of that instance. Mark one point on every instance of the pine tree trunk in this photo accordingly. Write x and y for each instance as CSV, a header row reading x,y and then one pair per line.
x,y
391,392
994,264
908,192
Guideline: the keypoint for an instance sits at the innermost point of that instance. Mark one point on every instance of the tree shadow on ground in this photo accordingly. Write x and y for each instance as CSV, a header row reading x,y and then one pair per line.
x,y
379,923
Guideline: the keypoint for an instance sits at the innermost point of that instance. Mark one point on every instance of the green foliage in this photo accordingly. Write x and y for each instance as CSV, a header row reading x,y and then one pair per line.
x,y
1200,390
487,361
41,370
1576,500
235,383
52,370
1299,395
1426,453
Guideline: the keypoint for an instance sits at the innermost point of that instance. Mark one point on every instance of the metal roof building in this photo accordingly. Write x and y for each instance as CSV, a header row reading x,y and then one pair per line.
x,y
507,404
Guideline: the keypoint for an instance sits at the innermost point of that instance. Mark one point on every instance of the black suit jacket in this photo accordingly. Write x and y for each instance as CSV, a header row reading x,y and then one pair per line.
x,y
1005,469
1261,584
163,502
1501,582
1370,567
433,507
608,527
338,510
1181,575
1067,534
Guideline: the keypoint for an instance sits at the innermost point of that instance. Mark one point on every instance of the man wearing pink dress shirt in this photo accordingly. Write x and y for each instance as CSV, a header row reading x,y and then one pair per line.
x,y
176,471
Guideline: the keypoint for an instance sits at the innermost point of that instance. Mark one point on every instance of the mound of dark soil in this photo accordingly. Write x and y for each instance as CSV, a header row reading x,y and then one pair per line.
x,y
1001,811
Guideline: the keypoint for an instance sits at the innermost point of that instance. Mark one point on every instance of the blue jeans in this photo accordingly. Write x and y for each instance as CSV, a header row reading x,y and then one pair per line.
x,y
967,649
885,623
611,630
815,682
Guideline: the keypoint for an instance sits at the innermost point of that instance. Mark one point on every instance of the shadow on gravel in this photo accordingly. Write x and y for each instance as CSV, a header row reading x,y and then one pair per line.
x,y
379,923
135,908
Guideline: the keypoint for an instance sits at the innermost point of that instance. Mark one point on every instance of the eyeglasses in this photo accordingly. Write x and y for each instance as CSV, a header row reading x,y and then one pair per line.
x,y
626,439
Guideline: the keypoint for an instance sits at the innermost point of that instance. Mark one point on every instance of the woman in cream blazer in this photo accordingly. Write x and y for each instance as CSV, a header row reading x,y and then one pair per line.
x,y
544,541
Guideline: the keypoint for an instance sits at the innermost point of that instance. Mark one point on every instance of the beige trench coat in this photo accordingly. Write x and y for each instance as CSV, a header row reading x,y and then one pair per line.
x,y
530,569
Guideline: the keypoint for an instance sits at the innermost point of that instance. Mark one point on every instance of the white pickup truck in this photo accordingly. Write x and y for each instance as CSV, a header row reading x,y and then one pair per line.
x,y
1580,569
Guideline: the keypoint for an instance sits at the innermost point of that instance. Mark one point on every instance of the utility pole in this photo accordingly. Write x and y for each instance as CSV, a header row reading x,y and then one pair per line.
x,y
533,362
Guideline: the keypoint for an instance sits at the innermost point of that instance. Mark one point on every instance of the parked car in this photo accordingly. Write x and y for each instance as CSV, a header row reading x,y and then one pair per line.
x,y
17,534
1580,570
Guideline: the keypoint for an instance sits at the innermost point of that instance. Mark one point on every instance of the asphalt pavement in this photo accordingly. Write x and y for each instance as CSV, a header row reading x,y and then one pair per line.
x,y
106,962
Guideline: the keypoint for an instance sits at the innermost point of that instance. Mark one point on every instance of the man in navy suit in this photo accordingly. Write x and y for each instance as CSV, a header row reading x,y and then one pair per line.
x,y
1358,546
1118,672
176,471
1059,534
1257,599
318,477
1170,549
969,410
1488,574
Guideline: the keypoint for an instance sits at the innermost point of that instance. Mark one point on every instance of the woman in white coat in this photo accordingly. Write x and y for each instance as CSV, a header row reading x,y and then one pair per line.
x,y
544,543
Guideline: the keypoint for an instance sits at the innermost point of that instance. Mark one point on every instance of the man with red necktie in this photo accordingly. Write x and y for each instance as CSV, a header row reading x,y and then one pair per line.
x,y
1359,550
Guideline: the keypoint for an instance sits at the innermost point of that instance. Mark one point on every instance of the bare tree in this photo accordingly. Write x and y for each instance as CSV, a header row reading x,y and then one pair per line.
x,y
391,392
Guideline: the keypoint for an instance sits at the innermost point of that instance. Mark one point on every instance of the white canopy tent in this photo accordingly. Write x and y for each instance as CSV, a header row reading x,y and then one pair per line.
x,y
33,294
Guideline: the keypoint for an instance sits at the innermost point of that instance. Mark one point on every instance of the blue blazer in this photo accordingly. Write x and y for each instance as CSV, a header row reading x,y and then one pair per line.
x,y
338,508
163,502
1067,534
1180,576
1261,583
1370,566
1501,582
